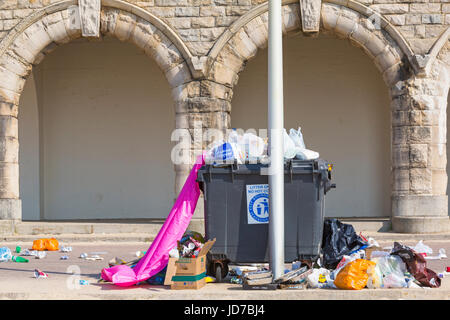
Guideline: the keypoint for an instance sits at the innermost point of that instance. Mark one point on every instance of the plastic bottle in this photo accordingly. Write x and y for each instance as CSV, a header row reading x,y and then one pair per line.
x,y
18,259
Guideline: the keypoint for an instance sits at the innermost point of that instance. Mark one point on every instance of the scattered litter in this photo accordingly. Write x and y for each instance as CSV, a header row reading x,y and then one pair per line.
x,y
417,266
64,258
447,269
5,254
84,282
422,248
66,249
174,253
354,275
39,274
50,244
104,252
40,254
18,249
27,252
339,239
93,258
236,280
440,256
139,254
210,279
389,272
18,259
320,278
83,255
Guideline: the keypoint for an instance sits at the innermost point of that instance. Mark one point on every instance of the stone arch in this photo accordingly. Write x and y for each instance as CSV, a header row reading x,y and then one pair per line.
x,y
45,30
385,46
419,202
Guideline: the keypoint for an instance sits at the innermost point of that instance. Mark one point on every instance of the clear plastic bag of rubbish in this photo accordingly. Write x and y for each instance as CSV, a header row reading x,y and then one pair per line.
x,y
420,247
251,146
389,272
290,150
320,278
5,254
297,137
301,152
224,152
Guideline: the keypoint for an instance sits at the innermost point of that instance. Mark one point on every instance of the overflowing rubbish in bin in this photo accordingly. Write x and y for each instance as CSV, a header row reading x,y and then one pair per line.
x,y
322,253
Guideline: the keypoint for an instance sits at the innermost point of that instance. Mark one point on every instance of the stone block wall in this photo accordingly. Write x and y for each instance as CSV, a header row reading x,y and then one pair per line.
x,y
203,45
200,22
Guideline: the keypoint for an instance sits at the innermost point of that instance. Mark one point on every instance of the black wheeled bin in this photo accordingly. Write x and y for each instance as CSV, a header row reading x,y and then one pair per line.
x,y
236,211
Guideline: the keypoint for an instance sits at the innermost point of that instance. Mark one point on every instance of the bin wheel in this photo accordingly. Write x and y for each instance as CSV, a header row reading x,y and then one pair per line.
x,y
221,271
218,272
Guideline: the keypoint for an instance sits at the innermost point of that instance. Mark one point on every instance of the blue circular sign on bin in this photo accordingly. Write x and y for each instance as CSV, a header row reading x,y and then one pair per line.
x,y
259,207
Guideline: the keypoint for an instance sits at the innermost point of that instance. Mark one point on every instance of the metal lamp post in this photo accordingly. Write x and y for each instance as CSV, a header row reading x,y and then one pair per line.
x,y
276,126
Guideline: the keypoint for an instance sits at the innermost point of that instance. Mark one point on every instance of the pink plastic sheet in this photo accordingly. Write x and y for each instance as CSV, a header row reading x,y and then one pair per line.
x,y
157,256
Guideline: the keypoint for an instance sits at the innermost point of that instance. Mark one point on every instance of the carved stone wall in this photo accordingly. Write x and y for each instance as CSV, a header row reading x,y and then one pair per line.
x,y
203,45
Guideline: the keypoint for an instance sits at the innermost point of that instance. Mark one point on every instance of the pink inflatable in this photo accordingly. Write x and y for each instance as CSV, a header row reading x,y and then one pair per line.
x,y
157,256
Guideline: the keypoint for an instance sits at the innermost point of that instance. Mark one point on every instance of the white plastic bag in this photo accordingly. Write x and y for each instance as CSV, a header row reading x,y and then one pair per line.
x,y
251,146
289,146
297,137
420,247
301,152
320,278
441,255
5,254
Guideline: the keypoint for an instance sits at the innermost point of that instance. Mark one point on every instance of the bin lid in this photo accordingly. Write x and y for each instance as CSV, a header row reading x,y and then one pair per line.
x,y
294,166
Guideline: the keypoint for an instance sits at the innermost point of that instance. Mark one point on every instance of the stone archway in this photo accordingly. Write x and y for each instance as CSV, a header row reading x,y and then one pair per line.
x,y
56,25
419,200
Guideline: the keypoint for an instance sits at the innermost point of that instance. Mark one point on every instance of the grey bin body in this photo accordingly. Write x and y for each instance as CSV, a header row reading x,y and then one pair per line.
x,y
225,196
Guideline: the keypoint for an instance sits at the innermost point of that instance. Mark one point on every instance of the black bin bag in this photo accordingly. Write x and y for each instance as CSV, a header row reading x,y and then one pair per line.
x,y
339,239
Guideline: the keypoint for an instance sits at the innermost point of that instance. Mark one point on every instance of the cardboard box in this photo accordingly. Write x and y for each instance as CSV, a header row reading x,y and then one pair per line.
x,y
372,249
194,266
179,284
188,273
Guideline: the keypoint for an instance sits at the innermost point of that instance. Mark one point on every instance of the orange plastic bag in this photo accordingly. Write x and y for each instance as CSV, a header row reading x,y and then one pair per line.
x,y
52,244
45,244
39,244
354,275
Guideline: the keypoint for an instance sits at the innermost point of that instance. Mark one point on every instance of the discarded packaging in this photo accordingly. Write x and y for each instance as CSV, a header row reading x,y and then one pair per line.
x,y
5,254
191,272
64,258
422,248
40,254
83,255
389,272
39,274
291,275
441,255
94,258
84,282
417,266
18,259
320,278
339,239
354,275
50,244
269,286
66,249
